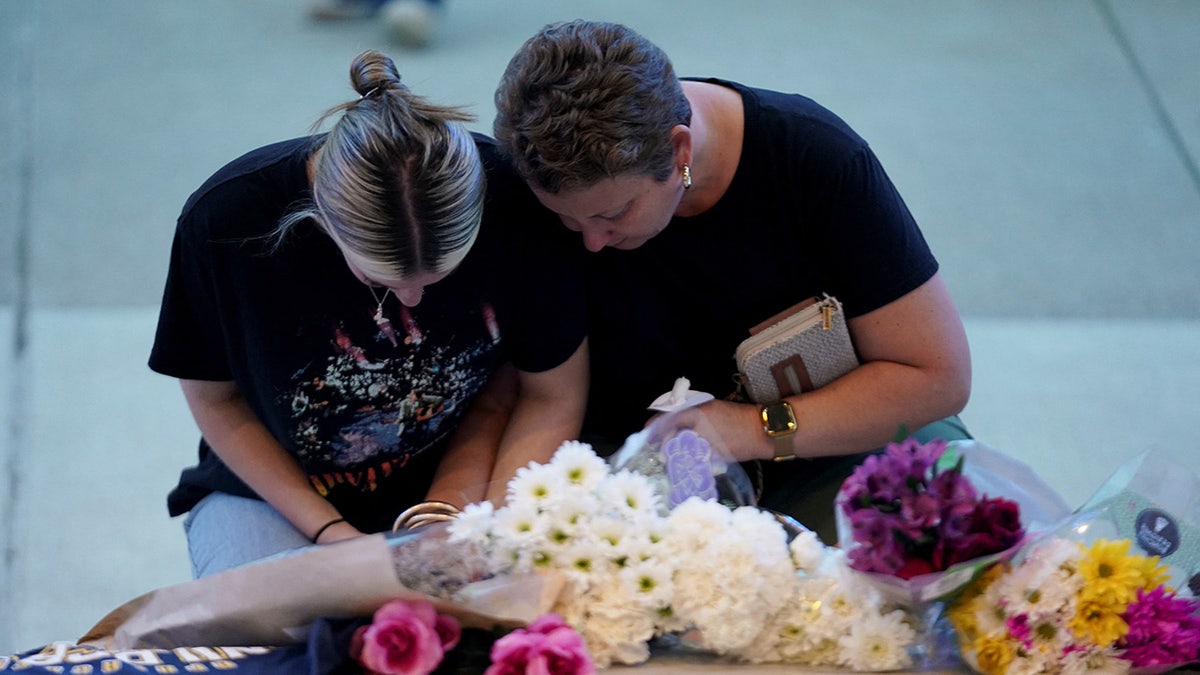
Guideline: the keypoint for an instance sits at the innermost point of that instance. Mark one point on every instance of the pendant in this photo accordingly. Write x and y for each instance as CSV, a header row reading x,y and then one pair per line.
x,y
385,326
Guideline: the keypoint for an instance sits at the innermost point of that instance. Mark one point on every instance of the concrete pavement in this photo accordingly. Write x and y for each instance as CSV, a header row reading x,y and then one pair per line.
x,y
1049,151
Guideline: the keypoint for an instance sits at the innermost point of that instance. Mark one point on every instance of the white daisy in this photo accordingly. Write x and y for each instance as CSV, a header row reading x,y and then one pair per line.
x,y
579,465
877,642
649,582
615,532
629,493
516,530
1093,661
535,485
473,524
574,510
1030,664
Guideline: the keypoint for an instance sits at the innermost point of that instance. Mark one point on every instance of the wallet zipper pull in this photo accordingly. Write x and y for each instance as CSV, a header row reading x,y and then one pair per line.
x,y
827,317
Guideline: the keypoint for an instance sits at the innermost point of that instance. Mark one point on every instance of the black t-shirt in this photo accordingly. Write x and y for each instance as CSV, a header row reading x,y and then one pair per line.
x,y
810,211
366,409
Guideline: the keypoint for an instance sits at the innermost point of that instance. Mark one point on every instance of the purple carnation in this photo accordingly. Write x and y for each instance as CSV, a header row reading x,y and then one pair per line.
x,y
878,549
919,457
920,511
908,518
993,526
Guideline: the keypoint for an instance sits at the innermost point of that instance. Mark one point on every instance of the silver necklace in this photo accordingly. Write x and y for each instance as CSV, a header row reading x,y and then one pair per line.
x,y
381,320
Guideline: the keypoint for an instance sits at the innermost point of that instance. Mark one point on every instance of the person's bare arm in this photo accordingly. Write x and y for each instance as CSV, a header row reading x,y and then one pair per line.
x,y
243,443
465,470
548,411
916,369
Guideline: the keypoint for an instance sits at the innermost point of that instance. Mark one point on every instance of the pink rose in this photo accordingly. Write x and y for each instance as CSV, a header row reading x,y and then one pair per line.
x,y
548,646
405,638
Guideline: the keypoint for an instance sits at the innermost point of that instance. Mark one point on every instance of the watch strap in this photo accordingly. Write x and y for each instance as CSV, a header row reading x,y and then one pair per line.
x,y
783,448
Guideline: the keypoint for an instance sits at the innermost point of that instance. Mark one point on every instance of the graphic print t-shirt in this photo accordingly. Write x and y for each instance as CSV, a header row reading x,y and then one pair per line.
x,y
365,405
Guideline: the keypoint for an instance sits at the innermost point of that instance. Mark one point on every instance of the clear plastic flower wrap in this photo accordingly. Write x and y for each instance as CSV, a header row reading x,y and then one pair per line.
x,y
921,521
682,454
958,502
1154,500
426,562
1110,588
731,581
275,600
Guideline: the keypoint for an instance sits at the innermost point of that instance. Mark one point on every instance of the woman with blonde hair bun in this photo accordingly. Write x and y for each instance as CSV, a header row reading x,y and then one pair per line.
x,y
362,321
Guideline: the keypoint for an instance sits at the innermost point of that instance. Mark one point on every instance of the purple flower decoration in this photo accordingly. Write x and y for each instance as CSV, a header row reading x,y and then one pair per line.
x,y
909,516
879,550
1163,629
689,473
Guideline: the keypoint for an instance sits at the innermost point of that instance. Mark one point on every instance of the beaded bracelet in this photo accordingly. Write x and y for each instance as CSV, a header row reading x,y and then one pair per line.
x,y
326,526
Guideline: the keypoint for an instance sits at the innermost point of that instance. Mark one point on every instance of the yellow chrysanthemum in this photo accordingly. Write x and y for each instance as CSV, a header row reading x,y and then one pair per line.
x,y
985,580
1111,574
1153,574
963,618
968,604
993,654
1101,598
1098,623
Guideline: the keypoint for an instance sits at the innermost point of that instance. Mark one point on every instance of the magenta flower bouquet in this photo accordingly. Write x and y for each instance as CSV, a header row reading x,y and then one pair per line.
x,y
413,638
910,512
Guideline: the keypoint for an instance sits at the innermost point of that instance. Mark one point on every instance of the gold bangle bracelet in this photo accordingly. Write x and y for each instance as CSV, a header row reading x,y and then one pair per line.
x,y
423,519
425,513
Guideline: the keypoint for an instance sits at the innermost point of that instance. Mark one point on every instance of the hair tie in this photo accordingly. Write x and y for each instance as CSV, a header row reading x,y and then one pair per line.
x,y
326,526
370,91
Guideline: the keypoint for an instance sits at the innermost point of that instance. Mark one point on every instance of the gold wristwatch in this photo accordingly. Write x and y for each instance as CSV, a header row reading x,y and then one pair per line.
x,y
779,421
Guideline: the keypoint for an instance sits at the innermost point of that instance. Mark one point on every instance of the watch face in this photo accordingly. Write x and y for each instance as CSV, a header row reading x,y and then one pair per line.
x,y
778,418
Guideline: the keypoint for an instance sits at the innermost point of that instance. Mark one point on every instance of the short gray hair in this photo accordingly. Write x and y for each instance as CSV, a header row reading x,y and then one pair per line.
x,y
582,101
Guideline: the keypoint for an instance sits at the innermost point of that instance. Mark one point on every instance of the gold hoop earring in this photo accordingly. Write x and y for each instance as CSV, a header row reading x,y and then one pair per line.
x,y
687,177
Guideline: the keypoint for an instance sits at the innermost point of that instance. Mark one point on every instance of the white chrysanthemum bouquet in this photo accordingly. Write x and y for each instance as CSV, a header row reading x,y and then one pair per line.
x,y
728,577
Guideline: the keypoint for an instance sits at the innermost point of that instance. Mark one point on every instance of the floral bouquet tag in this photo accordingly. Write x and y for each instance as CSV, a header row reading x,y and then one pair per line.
x,y
680,397
1154,501
682,455
688,460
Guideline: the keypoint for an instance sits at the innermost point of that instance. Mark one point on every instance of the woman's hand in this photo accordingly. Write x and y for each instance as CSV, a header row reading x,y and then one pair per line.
x,y
735,427
245,445
549,410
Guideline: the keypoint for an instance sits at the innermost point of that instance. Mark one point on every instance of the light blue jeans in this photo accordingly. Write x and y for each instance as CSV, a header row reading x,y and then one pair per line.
x,y
224,531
